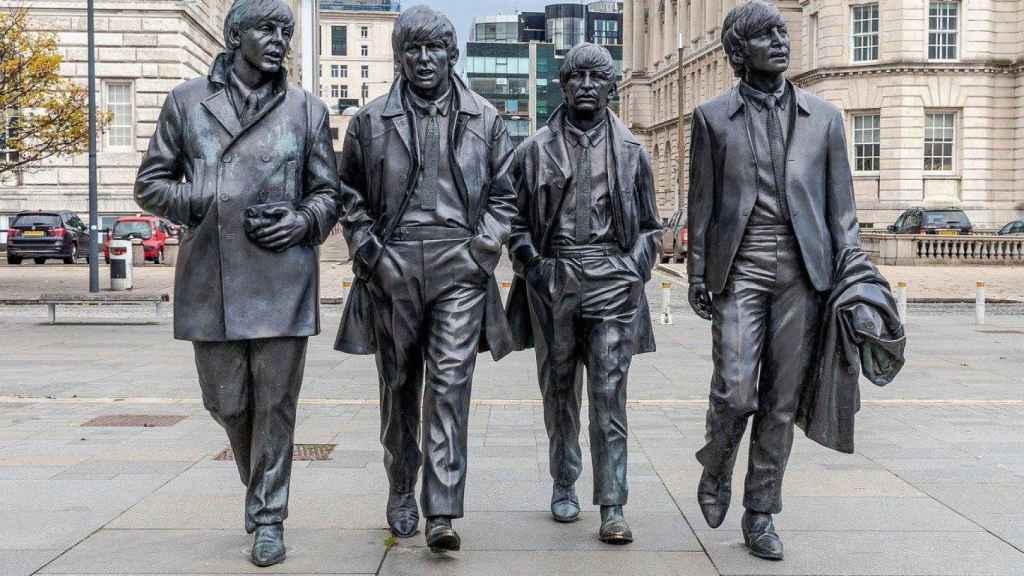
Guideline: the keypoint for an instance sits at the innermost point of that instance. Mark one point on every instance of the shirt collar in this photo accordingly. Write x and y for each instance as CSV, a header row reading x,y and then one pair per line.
x,y
758,98
578,137
422,106
243,91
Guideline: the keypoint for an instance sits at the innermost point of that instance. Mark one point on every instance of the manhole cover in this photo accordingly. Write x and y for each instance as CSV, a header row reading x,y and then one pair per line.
x,y
136,420
301,452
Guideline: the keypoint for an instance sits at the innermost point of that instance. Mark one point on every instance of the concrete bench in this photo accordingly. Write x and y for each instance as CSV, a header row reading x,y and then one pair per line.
x,y
101,298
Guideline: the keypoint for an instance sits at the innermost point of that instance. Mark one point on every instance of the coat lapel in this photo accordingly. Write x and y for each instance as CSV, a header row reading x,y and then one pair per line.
x,y
219,106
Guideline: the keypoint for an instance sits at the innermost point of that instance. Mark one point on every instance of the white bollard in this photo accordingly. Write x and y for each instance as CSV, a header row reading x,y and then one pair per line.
x,y
901,301
979,304
666,302
346,287
504,289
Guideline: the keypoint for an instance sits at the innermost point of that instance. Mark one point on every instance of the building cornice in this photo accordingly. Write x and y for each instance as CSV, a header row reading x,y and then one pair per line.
x,y
889,68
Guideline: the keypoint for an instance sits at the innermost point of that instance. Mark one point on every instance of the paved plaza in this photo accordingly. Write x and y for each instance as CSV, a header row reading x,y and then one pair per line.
x,y
935,488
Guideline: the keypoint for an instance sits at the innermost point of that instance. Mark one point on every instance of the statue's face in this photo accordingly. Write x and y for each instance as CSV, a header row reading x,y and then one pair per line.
x,y
426,64
588,89
265,45
768,54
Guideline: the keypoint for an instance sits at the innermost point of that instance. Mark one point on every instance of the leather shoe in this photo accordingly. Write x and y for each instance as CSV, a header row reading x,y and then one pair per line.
x,y
614,529
565,506
441,537
268,545
713,495
403,514
760,537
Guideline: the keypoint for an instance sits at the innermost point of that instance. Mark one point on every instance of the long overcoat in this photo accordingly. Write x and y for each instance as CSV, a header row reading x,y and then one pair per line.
x,y
203,169
379,163
723,186
543,175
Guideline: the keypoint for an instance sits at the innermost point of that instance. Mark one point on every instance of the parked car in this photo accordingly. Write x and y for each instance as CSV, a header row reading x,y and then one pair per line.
x,y
42,236
1014,228
951,221
152,230
674,238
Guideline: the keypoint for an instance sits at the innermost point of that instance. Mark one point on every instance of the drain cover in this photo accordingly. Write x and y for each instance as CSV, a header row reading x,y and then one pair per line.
x,y
136,420
301,452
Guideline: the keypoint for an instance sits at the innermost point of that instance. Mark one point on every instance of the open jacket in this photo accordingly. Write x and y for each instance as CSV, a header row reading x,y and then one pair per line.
x,y
379,164
203,169
543,177
724,188
861,331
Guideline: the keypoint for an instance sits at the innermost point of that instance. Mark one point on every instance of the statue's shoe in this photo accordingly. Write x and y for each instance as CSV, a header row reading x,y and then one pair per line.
x,y
614,528
441,537
565,506
760,537
268,545
713,496
403,514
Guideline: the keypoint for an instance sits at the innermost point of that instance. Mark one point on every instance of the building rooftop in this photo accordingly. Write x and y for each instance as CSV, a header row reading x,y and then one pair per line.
x,y
361,5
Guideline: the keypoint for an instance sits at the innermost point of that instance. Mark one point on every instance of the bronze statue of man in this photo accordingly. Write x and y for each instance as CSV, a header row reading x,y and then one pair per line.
x,y
584,242
244,162
425,216
770,206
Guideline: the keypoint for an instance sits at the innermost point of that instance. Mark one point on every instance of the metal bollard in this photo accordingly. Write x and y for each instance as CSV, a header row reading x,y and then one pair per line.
x,y
901,301
346,287
979,303
505,286
121,276
138,253
666,303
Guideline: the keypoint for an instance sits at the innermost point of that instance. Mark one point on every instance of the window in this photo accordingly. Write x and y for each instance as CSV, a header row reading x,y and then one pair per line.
x,y
364,50
343,72
939,141
364,31
812,42
339,40
335,91
120,131
8,132
865,33
335,71
943,20
343,93
866,142
606,32
364,71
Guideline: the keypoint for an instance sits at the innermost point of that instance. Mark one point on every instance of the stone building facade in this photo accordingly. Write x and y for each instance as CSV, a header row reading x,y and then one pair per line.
x,y
931,92
143,49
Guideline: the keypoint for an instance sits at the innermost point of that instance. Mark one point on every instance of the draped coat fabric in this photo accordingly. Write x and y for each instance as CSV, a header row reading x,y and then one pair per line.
x,y
819,187
379,164
543,176
862,332
203,169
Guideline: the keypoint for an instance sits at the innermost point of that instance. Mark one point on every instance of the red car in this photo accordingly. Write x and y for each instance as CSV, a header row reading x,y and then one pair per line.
x,y
153,231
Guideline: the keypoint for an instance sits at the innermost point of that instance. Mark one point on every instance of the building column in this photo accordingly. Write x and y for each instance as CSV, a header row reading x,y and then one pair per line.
x,y
668,31
638,40
627,24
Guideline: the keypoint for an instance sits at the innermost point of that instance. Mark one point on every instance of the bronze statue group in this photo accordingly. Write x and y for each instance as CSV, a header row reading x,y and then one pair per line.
x,y
429,190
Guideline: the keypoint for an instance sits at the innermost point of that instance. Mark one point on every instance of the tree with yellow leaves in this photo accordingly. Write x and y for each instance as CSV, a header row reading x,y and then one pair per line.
x,y
41,114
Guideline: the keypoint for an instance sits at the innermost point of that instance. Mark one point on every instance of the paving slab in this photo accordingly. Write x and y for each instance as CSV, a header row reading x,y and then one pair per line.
x,y
421,562
220,552
25,562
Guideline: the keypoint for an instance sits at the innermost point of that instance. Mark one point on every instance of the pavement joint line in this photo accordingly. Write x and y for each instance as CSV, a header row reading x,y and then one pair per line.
x,y
486,401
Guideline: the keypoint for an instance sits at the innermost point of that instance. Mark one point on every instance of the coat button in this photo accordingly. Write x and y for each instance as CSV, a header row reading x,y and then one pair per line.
x,y
228,159
746,211
265,158
224,197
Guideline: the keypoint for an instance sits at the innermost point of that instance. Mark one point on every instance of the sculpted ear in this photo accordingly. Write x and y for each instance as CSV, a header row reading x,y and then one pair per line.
x,y
234,39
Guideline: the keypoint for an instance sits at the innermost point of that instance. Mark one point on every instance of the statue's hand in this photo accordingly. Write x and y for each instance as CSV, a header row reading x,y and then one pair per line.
x,y
289,229
700,299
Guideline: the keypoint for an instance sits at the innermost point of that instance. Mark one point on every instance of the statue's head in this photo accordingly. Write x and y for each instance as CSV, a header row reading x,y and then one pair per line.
x,y
426,47
259,31
756,39
587,77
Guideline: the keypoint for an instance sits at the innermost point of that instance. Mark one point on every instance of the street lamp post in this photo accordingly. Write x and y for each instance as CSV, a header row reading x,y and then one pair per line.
x,y
94,260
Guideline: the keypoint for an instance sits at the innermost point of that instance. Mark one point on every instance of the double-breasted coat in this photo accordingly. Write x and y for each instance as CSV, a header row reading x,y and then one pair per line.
x,y
543,175
203,169
379,164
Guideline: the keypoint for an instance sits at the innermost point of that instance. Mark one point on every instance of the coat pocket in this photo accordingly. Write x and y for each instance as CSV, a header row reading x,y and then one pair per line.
x,y
197,198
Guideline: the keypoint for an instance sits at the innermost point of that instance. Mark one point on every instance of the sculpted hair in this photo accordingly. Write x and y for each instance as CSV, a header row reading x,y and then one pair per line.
x,y
245,14
420,25
743,23
587,55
